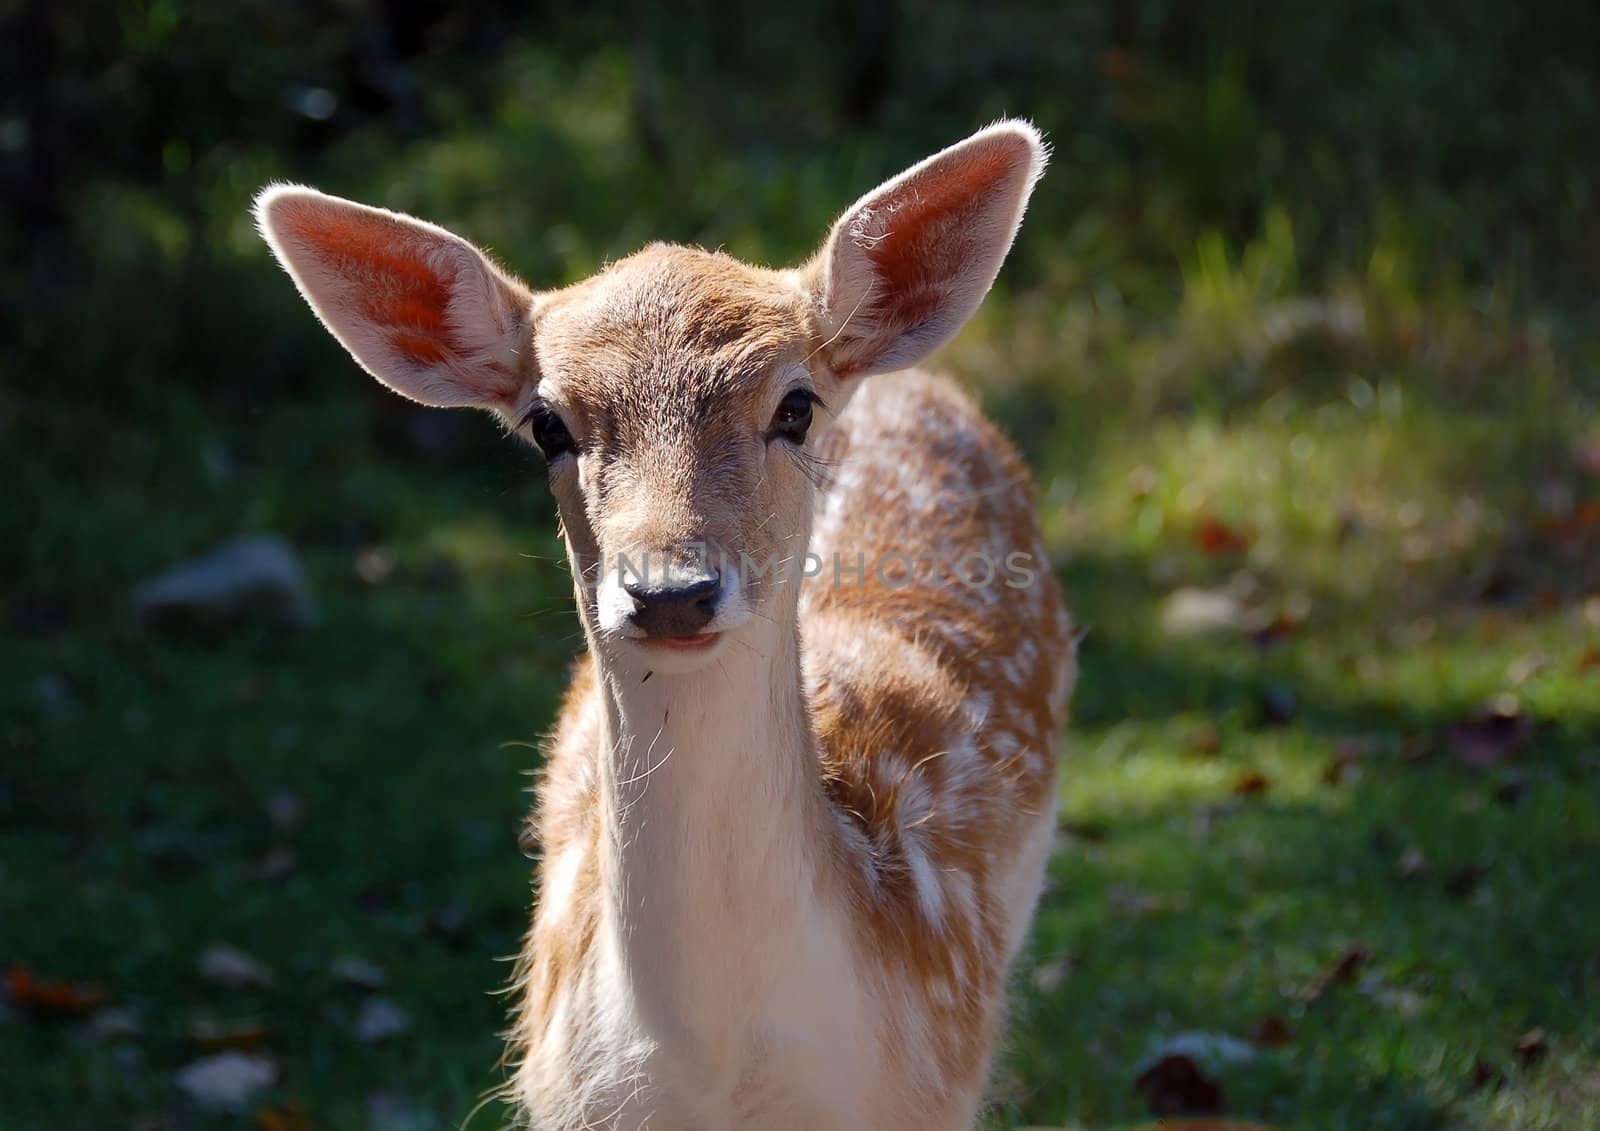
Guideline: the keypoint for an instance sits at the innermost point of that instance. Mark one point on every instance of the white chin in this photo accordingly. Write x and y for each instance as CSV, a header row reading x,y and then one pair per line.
x,y
662,658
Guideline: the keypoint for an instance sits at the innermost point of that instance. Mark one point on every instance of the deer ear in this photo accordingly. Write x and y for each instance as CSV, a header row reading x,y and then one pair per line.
x,y
909,263
422,310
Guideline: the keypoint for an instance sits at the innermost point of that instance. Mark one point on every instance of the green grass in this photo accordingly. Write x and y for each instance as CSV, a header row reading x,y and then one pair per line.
x,y
1218,314
134,802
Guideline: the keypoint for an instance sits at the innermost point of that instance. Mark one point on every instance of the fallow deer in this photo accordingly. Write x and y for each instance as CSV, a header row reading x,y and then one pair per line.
x,y
793,821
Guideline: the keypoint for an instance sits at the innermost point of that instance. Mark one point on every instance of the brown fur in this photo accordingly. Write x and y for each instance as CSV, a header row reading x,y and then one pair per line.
x,y
868,814
882,731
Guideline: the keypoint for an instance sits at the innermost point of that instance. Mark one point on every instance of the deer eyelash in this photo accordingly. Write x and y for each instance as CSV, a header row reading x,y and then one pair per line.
x,y
816,468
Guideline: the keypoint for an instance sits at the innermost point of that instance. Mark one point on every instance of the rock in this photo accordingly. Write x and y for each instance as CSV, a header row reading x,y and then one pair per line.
x,y
387,1111
1048,976
113,1025
284,810
256,576
358,972
1213,1051
232,967
228,1079
375,565
380,1019
1189,611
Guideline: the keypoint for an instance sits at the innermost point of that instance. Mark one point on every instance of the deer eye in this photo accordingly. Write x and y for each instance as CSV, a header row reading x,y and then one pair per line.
x,y
549,432
793,418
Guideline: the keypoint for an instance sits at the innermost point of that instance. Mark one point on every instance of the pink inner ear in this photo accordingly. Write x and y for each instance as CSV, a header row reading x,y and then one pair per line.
x,y
928,228
398,287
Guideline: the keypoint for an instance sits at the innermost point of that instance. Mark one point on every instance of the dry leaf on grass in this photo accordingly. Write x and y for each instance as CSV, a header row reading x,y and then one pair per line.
x,y
1177,1085
1465,880
1341,771
1215,536
1568,533
1348,755
1512,791
1206,740
1272,1032
1090,832
1417,747
1491,735
1345,966
1252,784
283,1117
26,990
1278,630
1136,903
1483,1075
1531,1047
216,1036
1586,454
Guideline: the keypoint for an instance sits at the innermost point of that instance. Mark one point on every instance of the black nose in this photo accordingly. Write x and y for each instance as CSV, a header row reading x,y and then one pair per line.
x,y
680,607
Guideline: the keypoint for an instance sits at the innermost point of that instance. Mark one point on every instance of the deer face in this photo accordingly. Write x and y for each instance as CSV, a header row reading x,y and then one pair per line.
x,y
677,394
673,397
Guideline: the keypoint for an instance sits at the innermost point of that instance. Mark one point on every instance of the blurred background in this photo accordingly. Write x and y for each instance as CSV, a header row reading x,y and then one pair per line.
x,y
1301,336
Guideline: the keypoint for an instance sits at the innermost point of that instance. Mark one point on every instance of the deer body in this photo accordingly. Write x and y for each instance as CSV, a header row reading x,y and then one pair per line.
x,y
793,823
884,862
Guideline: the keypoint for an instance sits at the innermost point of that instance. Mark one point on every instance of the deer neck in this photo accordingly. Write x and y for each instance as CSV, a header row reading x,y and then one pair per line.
x,y
710,794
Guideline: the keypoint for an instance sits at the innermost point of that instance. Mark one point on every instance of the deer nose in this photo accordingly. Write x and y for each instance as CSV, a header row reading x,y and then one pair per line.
x,y
681,607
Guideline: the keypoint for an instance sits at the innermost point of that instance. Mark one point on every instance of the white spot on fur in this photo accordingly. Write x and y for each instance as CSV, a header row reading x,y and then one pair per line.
x,y
977,706
930,895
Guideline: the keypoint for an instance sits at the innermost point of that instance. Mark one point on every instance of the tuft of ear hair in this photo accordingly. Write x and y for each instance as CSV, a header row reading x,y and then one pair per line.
x,y
419,308
909,263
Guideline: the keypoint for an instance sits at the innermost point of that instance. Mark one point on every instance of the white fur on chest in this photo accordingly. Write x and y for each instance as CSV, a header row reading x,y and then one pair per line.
x,y
802,1053
720,979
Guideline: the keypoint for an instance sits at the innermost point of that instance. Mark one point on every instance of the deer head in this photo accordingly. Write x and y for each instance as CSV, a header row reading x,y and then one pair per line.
x,y
679,394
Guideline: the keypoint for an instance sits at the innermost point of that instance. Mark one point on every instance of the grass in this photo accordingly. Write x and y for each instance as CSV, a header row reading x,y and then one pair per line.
x,y
138,785
1309,403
